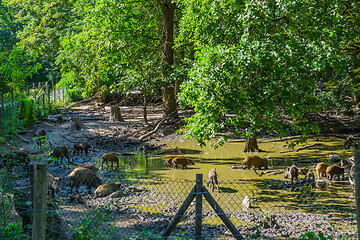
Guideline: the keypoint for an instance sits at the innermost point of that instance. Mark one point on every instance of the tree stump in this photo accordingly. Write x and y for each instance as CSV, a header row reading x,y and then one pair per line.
x,y
115,114
251,145
77,124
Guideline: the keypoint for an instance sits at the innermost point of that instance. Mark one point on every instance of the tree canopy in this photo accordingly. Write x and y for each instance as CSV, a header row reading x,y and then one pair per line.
x,y
242,65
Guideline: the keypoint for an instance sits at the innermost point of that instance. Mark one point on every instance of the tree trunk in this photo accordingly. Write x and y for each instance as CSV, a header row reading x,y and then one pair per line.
x,y
115,114
251,145
167,59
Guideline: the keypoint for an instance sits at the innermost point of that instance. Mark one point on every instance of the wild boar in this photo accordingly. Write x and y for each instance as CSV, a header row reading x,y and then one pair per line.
x,y
309,175
15,158
321,170
106,189
168,161
334,170
40,136
81,147
109,157
53,185
255,162
90,166
83,176
61,153
303,170
181,161
212,179
292,172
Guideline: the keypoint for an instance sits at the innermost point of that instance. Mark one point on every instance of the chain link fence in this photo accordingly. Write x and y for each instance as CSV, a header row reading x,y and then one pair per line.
x,y
143,208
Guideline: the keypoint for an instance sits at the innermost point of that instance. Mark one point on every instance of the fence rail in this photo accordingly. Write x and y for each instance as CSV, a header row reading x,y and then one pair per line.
x,y
143,209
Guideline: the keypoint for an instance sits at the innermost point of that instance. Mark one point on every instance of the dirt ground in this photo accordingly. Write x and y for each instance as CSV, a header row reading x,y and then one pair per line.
x,y
126,136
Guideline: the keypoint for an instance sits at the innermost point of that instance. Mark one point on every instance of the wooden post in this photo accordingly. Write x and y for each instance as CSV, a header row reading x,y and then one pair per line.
x,y
357,189
40,202
179,214
221,214
198,206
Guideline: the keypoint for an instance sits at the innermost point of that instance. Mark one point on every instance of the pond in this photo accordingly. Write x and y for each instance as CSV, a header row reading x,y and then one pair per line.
x,y
224,157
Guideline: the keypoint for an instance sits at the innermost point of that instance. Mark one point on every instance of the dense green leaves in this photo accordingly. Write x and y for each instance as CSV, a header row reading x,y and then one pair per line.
x,y
271,70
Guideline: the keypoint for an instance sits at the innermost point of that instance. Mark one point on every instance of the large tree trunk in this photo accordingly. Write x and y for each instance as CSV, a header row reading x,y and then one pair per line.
x,y
251,145
168,91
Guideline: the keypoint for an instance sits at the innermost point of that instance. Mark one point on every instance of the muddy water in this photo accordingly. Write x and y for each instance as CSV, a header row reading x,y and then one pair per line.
x,y
222,158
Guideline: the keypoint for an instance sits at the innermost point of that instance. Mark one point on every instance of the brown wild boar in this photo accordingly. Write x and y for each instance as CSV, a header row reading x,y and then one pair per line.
x,y
90,166
309,175
15,158
256,162
334,170
292,172
181,161
53,185
40,136
168,161
106,189
61,153
321,170
81,147
109,157
212,179
83,176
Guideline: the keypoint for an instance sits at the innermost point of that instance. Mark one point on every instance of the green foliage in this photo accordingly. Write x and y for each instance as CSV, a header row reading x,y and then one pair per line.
x,y
89,227
26,112
263,64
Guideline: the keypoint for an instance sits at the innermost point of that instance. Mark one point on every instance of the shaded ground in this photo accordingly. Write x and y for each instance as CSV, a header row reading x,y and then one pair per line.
x,y
123,137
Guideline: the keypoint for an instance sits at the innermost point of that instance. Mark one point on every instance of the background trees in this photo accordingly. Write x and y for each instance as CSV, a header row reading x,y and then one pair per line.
x,y
243,65
259,62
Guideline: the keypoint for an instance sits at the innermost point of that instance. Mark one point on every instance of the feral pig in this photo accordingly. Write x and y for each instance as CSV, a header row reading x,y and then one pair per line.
x,y
90,166
181,161
83,176
321,170
106,189
303,170
15,158
213,179
292,172
53,185
109,157
80,147
40,136
61,153
168,161
309,175
334,170
255,162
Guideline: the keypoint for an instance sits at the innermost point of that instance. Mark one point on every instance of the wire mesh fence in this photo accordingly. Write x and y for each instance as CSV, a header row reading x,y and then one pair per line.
x,y
143,208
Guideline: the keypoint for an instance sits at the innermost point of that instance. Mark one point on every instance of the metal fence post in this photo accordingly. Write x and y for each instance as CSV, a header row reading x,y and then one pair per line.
x,y
198,206
357,189
40,199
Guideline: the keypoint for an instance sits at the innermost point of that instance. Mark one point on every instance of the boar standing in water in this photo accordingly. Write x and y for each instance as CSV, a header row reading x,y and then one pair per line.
x,y
110,157
82,146
168,161
15,158
334,170
83,176
90,166
181,161
40,135
61,153
213,179
292,172
255,162
321,170
106,189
